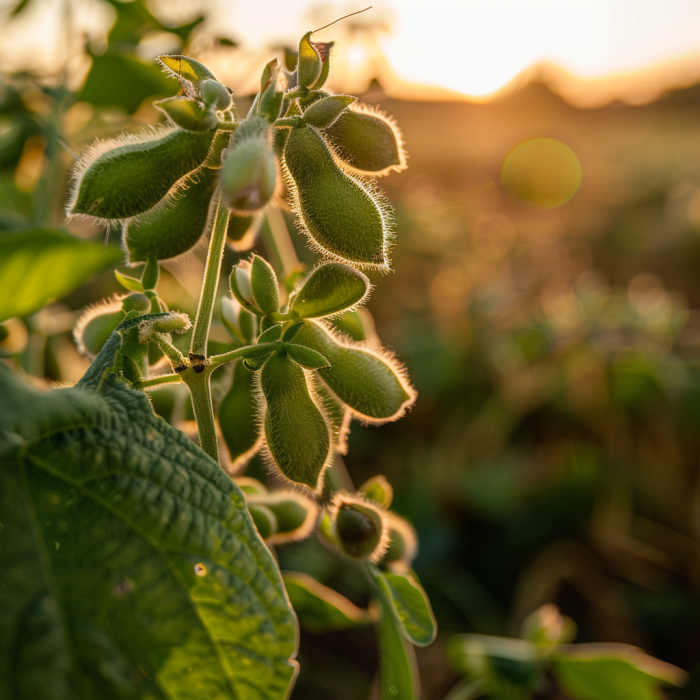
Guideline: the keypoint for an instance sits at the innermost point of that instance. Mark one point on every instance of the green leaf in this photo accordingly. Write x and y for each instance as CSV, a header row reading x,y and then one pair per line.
x,y
319,608
129,565
605,671
398,673
330,289
187,114
324,112
185,68
306,357
238,417
39,265
117,80
271,334
130,283
291,332
410,605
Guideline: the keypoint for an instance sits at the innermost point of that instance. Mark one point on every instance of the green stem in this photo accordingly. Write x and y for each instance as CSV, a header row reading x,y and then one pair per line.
x,y
160,380
200,391
232,355
212,270
177,359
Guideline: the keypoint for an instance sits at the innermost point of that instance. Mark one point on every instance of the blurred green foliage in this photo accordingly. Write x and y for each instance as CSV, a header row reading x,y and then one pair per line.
x,y
553,454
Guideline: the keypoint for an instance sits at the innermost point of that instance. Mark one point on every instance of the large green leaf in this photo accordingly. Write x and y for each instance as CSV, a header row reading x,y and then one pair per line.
x,y
410,605
39,265
605,671
129,566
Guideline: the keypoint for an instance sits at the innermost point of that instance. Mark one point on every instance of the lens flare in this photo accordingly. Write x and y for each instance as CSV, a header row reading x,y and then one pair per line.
x,y
545,172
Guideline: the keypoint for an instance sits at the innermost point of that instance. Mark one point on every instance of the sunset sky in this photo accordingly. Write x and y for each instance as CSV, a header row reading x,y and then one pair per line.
x,y
471,47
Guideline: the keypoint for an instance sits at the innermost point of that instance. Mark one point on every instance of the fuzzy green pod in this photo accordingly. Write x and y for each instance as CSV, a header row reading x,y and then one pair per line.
x,y
125,178
372,386
329,289
238,417
322,113
358,527
368,141
296,432
176,224
295,514
338,417
249,173
358,325
337,211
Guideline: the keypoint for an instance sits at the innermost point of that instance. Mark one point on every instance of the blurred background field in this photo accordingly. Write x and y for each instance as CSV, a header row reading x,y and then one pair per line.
x,y
551,329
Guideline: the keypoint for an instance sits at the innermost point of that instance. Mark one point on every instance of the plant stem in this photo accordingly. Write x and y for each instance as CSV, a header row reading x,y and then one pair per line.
x,y
232,355
212,270
160,380
200,391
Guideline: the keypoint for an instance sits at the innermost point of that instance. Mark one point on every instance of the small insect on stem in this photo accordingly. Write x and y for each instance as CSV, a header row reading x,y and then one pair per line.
x,y
342,18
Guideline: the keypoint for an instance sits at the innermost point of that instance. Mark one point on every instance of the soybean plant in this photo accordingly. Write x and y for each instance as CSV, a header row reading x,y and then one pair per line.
x,y
298,381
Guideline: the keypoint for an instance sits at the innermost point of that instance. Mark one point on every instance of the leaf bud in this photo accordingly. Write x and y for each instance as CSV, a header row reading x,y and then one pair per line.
x,y
359,527
215,95
136,302
309,64
263,285
187,113
249,172
185,69
547,627
324,51
240,286
240,324
378,489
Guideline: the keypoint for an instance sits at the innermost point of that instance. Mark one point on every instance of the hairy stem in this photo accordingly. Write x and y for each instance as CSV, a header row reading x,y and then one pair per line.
x,y
217,243
159,381
200,391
